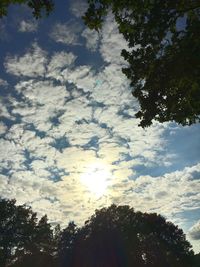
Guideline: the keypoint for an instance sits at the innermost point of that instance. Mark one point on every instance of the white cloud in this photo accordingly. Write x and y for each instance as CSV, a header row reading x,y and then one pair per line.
x,y
3,128
3,83
66,33
4,108
12,156
46,100
167,194
78,7
112,42
81,76
37,93
112,87
58,62
194,231
31,64
92,39
28,26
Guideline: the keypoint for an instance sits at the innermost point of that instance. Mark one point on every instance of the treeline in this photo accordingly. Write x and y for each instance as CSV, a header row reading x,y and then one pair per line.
x,y
116,236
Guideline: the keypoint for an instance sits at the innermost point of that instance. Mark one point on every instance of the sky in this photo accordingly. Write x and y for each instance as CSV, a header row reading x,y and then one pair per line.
x,y
69,139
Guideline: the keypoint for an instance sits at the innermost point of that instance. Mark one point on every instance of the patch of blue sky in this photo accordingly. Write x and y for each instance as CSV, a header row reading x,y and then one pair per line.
x,y
184,144
123,157
7,121
5,171
104,125
28,159
195,175
60,143
123,141
190,216
96,104
55,119
82,121
56,174
31,127
154,171
92,144
124,112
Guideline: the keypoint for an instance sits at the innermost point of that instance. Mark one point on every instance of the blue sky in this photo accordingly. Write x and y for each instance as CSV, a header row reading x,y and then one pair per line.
x,y
69,140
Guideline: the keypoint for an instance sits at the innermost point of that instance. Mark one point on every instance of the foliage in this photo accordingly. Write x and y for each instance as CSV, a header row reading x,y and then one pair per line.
x,y
163,55
67,244
118,236
197,260
21,234
38,7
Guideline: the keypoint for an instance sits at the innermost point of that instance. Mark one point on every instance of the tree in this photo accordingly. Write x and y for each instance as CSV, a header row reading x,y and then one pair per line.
x,y
21,236
38,7
66,245
118,236
197,260
163,55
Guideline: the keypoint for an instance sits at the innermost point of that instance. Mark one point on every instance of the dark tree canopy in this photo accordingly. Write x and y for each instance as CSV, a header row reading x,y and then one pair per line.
x,y
119,237
38,7
22,236
116,236
164,55
197,260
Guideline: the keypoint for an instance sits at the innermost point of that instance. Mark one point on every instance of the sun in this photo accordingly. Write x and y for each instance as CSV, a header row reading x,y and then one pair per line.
x,y
96,178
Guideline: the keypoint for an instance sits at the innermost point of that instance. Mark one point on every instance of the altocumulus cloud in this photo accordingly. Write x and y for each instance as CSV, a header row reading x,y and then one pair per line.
x,y
28,26
66,33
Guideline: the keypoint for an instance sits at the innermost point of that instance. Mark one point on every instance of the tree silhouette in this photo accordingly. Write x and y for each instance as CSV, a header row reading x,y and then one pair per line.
x,y
197,260
163,55
66,245
116,236
119,237
38,7
22,238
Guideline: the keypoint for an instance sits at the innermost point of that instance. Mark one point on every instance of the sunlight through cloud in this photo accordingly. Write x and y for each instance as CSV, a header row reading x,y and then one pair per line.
x,y
96,178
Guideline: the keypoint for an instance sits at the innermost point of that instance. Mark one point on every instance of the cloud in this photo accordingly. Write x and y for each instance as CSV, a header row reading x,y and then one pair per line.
x,y
78,7
12,156
92,39
67,118
4,108
111,87
81,76
31,64
28,26
3,128
42,108
167,194
3,83
66,33
58,62
112,42
95,110
194,231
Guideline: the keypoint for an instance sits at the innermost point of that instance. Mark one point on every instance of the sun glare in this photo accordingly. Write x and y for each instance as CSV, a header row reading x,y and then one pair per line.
x,y
96,179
